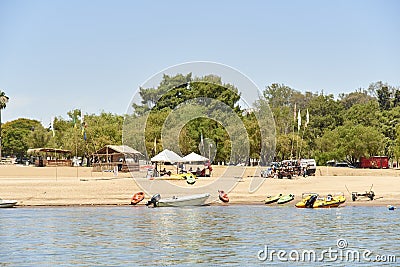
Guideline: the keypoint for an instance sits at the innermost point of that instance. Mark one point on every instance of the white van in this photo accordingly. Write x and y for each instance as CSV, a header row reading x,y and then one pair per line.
x,y
310,165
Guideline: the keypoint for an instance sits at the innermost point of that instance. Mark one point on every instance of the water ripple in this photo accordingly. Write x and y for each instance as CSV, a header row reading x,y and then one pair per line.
x,y
202,236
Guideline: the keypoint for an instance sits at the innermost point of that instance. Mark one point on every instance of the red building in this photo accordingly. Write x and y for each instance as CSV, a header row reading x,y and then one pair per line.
x,y
375,162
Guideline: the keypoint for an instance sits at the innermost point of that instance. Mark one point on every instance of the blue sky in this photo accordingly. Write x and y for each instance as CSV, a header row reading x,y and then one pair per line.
x,y
56,56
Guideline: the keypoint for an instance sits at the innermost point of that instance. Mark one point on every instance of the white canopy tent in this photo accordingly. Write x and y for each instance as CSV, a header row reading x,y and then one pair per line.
x,y
167,156
197,159
193,157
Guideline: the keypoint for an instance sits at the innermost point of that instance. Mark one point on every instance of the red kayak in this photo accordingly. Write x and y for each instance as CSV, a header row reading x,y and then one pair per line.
x,y
137,198
223,196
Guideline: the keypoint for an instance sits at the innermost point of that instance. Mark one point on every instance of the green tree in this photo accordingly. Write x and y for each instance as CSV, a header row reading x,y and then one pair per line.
x,y
367,114
39,137
350,143
325,114
16,136
396,99
207,95
384,97
358,97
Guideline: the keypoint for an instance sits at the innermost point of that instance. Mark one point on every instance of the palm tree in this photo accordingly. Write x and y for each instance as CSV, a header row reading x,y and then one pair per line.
x,y
3,104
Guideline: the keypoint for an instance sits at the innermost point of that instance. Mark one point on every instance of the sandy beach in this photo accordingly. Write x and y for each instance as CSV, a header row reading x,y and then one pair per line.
x,y
64,186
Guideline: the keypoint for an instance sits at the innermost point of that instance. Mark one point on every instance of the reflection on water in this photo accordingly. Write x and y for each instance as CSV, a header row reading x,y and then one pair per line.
x,y
233,235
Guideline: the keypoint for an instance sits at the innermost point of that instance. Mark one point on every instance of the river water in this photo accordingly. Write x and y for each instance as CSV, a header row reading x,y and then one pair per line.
x,y
199,236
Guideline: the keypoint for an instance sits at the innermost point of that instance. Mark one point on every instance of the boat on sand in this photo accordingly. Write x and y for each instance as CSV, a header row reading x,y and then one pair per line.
x,y
223,196
285,199
313,200
272,199
136,198
4,203
175,201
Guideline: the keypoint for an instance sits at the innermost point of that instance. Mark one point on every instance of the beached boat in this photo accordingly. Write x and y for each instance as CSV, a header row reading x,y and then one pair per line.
x,y
136,198
4,203
192,200
223,196
313,200
285,199
272,199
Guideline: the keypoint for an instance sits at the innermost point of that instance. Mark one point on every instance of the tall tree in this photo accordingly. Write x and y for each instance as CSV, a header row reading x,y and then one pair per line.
x,y
396,99
3,104
384,97
358,97
350,142
16,136
205,101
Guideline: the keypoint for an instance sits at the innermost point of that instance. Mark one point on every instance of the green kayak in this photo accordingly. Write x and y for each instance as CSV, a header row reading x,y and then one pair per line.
x,y
272,199
285,199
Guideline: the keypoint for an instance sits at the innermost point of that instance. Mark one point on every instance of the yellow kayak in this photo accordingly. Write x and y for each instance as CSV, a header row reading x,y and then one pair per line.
x,y
272,199
183,176
312,200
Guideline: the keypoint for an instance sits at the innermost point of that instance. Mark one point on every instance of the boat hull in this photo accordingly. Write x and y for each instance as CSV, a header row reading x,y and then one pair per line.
x,y
223,196
285,199
7,203
333,202
270,200
194,200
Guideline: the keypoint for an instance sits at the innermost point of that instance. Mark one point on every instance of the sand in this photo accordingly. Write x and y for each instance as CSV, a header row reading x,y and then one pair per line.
x,y
65,186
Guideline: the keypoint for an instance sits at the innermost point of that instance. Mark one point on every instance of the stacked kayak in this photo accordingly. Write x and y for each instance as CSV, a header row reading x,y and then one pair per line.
x,y
279,199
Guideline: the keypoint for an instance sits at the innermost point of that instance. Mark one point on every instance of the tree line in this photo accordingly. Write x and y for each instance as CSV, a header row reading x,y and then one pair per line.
x,y
365,122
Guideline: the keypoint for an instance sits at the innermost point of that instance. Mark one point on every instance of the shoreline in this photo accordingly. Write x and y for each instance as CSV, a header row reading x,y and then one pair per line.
x,y
80,187
260,203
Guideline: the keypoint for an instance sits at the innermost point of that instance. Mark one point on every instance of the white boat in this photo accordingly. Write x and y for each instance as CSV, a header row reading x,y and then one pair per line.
x,y
4,203
193,200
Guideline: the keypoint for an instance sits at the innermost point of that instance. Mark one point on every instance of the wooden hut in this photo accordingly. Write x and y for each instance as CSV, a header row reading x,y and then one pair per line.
x,y
110,157
50,157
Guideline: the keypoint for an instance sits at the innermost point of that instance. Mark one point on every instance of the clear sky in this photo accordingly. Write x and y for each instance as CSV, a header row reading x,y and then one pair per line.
x,y
56,56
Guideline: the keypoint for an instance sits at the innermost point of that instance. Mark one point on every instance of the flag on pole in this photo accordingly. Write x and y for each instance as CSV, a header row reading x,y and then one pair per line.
x,y
202,141
298,120
294,112
155,145
52,126
83,124
307,118
82,118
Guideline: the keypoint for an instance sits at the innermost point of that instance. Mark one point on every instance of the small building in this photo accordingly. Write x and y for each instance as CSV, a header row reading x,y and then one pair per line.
x,y
50,157
375,162
124,158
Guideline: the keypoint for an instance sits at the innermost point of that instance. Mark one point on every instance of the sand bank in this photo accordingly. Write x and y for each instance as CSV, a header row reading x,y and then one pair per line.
x,y
63,186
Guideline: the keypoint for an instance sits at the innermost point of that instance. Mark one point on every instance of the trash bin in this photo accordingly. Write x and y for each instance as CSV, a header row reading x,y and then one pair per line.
x,y
149,173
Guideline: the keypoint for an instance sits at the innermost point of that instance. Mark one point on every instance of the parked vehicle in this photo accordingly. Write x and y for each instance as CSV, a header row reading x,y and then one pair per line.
x,y
309,166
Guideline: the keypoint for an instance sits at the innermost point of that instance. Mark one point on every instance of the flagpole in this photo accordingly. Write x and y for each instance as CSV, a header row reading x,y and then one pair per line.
x,y
294,121
55,152
304,129
302,136
55,149
298,131
76,150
